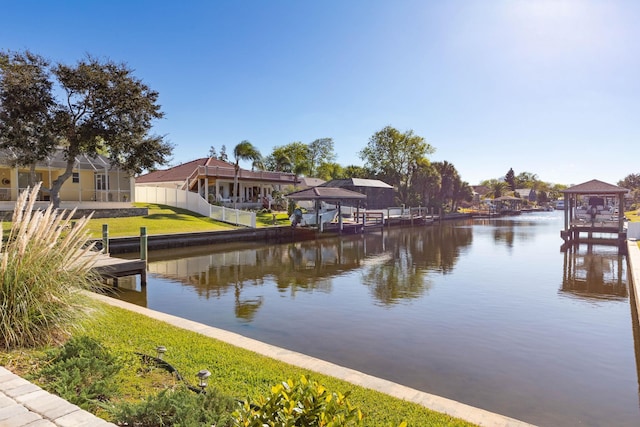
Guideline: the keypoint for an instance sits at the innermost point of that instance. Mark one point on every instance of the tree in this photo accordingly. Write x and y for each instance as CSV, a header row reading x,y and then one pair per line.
x,y
630,182
289,158
498,188
329,171
426,182
319,151
212,152
354,171
26,104
510,179
526,180
107,110
223,154
449,178
247,152
392,156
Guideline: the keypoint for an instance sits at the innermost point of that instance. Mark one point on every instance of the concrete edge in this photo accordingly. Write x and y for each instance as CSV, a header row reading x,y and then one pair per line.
x,y
450,407
633,260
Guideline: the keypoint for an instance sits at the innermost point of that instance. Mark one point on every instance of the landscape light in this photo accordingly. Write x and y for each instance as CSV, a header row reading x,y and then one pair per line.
x,y
161,350
202,378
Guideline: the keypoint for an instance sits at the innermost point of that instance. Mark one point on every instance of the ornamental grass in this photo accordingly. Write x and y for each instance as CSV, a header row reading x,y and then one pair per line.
x,y
45,262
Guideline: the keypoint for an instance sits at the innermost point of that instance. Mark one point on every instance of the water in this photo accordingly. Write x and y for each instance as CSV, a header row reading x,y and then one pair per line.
x,y
487,312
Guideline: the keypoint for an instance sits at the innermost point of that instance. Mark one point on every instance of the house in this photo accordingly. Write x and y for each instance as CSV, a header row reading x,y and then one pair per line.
x,y
526,194
379,194
94,184
213,179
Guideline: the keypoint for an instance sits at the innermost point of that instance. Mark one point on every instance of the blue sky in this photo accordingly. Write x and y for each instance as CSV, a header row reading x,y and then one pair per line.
x,y
546,87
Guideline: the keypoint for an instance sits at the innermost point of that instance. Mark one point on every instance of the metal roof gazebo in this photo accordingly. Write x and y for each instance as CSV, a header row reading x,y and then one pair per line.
x,y
326,194
602,221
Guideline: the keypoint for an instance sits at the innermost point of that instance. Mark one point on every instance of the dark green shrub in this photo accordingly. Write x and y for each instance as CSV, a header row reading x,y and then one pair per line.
x,y
304,403
173,407
82,372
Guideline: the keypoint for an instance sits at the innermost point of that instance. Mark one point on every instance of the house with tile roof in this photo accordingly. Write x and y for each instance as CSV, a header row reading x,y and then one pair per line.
x,y
213,179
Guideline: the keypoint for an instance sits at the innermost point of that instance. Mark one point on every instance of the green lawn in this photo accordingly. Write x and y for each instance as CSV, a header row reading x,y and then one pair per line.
x,y
164,219
235,372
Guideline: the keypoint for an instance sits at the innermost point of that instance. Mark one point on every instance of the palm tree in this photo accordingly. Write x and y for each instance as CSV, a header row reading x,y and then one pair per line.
x,y
243,151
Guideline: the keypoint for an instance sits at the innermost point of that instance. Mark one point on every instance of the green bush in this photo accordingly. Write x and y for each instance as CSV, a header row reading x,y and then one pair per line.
x,y
44,262
82,372
305,403
179,406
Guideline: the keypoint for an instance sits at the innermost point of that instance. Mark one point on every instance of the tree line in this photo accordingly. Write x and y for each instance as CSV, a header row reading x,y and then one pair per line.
x,y
397,158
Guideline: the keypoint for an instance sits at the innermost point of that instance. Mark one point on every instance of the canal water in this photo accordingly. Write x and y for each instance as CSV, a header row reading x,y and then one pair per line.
x,y
487,312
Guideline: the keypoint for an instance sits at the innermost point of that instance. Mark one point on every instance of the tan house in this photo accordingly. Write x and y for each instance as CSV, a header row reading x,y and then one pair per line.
x,y
213,179
94,183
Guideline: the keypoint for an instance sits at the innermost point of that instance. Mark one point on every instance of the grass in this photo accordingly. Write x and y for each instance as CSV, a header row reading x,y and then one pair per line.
x,y
162,219
235,372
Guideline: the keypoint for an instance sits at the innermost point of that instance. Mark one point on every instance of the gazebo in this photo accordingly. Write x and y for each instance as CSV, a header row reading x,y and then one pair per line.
x,y
599,217
326,194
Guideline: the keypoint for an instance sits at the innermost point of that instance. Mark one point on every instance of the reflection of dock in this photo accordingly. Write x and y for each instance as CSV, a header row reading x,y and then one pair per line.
x,y
594,273
112,268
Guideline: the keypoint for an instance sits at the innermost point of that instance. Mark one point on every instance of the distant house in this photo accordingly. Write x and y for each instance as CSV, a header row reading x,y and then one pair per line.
x,y
213,179
379,194
95,183
526,194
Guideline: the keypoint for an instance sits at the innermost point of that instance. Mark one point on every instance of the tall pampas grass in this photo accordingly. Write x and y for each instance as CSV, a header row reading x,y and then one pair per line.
x,y
45,263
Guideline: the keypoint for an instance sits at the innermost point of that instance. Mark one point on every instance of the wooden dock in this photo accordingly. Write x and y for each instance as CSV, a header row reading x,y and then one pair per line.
x,y
112,268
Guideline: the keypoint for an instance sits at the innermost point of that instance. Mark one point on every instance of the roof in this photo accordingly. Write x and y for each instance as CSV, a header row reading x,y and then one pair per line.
x,y
595,187
357,182
57,160
306,181
176,173
211,167
325,193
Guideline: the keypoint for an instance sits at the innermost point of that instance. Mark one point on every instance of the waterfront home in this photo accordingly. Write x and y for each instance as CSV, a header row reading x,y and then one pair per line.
x,y
94,184
214,180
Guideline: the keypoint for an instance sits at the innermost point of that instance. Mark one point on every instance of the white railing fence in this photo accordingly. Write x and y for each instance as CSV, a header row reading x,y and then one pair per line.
x,y
195,203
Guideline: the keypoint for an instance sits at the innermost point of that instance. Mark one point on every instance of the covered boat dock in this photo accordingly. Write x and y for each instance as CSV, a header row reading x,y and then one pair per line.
x,y
332,195
593,213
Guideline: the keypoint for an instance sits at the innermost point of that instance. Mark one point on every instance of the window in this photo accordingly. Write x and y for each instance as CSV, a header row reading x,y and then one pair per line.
x,y
102,182
75,178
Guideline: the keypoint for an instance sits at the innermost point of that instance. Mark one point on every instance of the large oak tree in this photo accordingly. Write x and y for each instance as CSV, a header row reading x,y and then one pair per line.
x,y
104,110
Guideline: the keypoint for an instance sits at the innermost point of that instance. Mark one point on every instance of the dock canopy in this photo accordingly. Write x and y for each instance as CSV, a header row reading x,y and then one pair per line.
x,y
326,194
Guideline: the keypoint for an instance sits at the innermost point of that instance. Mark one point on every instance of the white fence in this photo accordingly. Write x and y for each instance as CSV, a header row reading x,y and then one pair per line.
x,y
195,203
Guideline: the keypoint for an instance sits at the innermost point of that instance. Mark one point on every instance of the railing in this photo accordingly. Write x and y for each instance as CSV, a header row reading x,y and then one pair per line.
x,y
195,203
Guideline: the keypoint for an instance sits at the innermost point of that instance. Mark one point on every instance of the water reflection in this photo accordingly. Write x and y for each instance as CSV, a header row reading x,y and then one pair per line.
x,y
394,264
594,272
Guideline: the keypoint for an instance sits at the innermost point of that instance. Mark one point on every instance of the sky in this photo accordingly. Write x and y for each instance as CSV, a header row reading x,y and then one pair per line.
x,y
548,87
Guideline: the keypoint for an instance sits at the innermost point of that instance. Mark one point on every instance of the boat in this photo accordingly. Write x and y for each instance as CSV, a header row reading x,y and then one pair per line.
x,y
309,218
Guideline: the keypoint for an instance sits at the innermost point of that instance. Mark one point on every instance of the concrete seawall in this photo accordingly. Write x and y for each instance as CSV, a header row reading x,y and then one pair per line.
x,y
633,256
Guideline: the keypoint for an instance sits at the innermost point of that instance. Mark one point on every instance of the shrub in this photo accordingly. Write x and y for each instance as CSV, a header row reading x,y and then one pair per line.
x,y
42,268
305,403
178,406
82,372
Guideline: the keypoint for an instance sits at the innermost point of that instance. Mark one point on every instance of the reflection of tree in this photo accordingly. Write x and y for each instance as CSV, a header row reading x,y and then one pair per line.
x,y
594,274
394,264
246,309
414,252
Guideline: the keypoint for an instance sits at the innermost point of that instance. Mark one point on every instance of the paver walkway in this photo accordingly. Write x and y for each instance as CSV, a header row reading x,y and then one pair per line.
x,y
25,404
